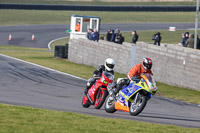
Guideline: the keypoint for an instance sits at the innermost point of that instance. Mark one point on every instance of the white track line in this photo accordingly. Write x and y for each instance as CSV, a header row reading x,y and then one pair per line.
x,y
49,44
42,67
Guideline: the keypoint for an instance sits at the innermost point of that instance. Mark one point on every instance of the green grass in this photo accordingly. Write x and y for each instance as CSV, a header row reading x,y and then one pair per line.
x,y
178,93
6,47
94,2
47,59
63,41
15,119
32,17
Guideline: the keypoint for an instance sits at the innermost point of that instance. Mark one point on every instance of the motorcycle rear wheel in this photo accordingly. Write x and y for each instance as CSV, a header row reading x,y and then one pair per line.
x,y
85,102
138,107
110,105
100,100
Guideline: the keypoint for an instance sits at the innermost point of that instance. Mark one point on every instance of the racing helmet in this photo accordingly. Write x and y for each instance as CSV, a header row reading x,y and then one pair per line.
x,y
147,63
109,64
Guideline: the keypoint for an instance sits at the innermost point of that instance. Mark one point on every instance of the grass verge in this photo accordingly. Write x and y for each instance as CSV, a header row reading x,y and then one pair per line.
x,y
29,17
26,120
47,59
63,41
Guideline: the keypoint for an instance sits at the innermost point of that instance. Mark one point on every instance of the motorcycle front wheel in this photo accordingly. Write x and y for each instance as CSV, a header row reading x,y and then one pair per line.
x,y
85,102
100,99
139,105
110,105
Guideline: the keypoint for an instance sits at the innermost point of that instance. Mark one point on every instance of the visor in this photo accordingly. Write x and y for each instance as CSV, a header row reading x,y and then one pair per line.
x,y
149,66
110,65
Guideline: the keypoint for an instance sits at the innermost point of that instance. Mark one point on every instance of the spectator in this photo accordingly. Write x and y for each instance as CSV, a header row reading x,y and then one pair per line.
x,y
157,39
118,37
198,43
95,35
112,39
89,33
108,35
190,41
183,42
187,34
78,27
135,37
185,37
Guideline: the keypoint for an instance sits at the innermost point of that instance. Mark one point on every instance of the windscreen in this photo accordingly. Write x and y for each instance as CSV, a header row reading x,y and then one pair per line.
x,y
109,75
150,81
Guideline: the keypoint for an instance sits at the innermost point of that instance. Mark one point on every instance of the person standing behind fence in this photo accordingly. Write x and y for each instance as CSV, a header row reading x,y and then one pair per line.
x,y
112,39
118,37
157,38
135,37
95,35
190,41
108,35
89,33
185,37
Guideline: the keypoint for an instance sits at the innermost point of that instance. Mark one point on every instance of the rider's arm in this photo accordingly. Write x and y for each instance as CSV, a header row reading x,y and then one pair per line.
x,y
134,71
97,73
101,68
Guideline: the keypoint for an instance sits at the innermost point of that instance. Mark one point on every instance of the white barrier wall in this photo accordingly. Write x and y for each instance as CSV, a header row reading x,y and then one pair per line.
x,y
172,64
95,53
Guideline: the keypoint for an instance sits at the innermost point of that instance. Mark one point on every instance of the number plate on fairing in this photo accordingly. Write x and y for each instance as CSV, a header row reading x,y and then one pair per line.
x,y
128,91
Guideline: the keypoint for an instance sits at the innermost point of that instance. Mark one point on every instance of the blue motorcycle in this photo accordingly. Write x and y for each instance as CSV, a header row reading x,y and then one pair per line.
x,y
132,98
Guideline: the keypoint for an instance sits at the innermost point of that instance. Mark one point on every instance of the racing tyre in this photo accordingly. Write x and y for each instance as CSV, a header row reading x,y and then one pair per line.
x,y
85,102
140,104
110,105
100,100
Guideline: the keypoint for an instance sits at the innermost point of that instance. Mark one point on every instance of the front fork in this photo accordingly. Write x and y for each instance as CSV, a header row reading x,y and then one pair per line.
x,y
98,94
137,97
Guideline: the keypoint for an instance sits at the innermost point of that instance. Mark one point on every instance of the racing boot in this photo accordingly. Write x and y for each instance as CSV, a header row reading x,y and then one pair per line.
x,y
89,84
86,90
123,82
117,89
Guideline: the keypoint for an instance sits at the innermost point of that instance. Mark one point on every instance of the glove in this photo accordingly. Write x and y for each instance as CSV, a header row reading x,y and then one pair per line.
x,y
135,78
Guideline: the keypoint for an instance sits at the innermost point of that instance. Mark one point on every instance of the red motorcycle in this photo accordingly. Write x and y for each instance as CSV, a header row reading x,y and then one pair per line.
x,y
98,92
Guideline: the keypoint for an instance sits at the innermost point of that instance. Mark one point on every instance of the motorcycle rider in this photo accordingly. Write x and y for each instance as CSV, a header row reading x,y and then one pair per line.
x,y
135,73
108,66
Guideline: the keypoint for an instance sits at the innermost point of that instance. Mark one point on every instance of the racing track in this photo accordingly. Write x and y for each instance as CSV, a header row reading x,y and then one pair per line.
x,y
21,35
29,85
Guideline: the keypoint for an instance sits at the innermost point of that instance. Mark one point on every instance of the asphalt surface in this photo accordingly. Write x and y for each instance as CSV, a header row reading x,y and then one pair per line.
x,y
22,35
29,85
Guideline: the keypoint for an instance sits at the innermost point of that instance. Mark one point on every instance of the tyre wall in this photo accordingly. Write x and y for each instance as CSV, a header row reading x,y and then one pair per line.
x,y
172,64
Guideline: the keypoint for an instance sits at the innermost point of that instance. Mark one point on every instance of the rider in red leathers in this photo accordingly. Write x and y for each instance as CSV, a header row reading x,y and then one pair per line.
x,y
108,66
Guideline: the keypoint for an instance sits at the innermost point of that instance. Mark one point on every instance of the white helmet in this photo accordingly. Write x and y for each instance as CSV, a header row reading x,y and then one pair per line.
x,y
109,64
